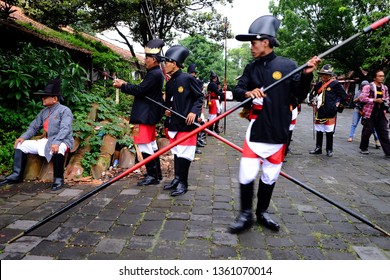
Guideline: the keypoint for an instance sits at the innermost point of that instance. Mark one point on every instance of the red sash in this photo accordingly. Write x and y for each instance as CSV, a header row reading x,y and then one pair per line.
x,y
144,134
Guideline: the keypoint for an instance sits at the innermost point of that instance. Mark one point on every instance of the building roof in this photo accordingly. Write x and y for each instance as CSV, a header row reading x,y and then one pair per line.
x,y
20,16
121,51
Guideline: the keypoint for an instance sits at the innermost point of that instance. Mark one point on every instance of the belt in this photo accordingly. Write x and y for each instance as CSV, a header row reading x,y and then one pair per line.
x,y
255,111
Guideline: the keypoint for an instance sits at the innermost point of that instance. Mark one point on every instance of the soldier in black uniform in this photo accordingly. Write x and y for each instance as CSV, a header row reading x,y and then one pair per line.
x,y
201,135
329,96
183,95
270,118
146,114
215,96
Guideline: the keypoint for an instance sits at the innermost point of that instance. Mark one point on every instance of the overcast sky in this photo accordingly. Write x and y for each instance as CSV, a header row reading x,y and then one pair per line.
x,y
241,15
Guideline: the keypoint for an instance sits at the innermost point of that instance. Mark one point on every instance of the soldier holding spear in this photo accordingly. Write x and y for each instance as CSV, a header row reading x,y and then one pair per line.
x,y
270,118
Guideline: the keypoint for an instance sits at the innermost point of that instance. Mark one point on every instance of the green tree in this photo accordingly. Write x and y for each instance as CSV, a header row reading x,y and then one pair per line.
x,y
159,18
208,55
238,58
205,54
53,13
312,27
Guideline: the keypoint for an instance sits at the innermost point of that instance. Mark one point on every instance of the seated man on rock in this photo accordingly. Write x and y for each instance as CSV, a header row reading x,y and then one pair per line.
x,y
56,120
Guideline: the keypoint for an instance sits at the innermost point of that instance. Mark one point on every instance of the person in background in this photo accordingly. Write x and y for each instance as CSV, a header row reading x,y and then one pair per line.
x,y
201,142
357,114
214,96
56,121
145,114
270,118
184,96
375,99
328,98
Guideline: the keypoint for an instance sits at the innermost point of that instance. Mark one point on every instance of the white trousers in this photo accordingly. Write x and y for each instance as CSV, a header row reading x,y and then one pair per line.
x,y
148,148
37,147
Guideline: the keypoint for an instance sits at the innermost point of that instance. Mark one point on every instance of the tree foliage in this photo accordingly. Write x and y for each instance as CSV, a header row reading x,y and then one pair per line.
x,y
311,27
55,13
159,18
208,55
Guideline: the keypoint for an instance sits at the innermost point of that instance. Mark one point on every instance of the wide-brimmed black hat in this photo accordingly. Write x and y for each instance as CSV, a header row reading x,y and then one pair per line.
x,y
192,68
53,88
154,47
176,53
264,27
327,69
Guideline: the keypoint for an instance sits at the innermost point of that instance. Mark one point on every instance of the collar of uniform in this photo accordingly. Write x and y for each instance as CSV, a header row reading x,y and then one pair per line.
x,y
51,108
266,58
177,73
154,67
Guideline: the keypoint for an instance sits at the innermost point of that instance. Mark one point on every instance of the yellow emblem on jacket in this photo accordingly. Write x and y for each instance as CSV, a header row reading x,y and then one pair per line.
x,y
329,89
180,89
277,75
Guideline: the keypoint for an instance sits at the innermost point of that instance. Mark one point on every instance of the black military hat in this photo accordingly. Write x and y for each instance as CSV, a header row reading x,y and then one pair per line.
x,y
176,53
53,88
192,68
327,69
154,47
264,27
212,74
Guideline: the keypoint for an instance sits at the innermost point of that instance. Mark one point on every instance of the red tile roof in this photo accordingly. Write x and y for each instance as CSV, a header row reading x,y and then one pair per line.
x,y
20,16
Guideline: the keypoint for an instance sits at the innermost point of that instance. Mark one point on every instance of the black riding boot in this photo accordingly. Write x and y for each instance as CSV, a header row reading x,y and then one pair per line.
x,y
211,128
158,168
329,144
19,164
264,195
318,149
216,127
176,179
58,171
182,186
244,220
290,132
151,169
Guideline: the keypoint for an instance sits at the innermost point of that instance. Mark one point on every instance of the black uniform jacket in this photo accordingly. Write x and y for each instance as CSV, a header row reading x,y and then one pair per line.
x,y
145,111
187,97
213,91
333,93
272,124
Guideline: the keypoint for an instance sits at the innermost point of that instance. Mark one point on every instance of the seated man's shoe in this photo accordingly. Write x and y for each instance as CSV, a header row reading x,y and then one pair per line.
x,y
265,219
329,153
148,180
180,189
9,182
58,183
316,151
243,222
172,185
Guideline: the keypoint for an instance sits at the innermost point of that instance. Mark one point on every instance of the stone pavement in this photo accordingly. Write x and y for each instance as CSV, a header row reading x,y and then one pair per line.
x,y
127,222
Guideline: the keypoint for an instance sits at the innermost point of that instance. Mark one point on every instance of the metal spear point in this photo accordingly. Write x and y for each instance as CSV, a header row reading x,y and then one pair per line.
x,y
370,28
